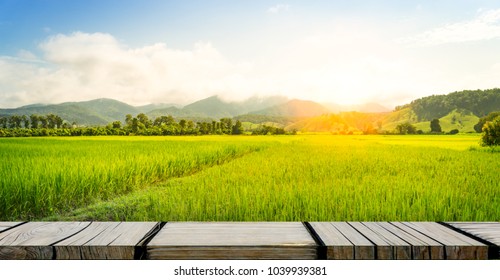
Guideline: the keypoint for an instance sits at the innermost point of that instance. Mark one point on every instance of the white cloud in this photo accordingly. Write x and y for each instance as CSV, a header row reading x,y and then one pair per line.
x,y
278,8
342,63
484,27
83,66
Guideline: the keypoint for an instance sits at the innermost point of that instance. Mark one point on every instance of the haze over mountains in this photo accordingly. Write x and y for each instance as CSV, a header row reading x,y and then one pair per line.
x,y
457,110
103,111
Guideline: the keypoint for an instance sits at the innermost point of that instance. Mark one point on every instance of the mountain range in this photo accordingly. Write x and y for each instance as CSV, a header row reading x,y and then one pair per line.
x,y
103,111
458,110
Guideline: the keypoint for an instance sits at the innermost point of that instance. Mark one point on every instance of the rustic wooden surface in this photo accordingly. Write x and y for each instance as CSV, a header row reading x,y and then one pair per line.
x,y
489,231
385,245
422,247
343,242
34,240
457,245
232,240
6,225
104,240
242,240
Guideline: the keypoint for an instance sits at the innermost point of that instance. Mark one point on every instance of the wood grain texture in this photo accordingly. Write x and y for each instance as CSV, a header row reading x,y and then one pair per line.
x,y
247,240
34,240
436,249
420,249
401,250
6,225
384,250
363,248
489,231
104,240
338,246
233,240
457,245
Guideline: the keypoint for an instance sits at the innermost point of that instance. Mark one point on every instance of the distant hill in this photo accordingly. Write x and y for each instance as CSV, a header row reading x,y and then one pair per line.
x,y
156,106
479,102
462,120
109,109
216,108
212,107
294,108
457,110
93,112
460,110
103,111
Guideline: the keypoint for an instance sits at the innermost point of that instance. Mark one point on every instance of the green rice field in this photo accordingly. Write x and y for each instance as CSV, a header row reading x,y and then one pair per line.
x,y
250,178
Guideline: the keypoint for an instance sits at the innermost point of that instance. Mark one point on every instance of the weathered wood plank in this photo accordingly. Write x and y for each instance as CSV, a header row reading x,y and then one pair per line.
x,y
489,231
231,253
34,240
401,250
233,240
437,250
363,248
6,225
104,240
457,246
338,246
420,250
384,250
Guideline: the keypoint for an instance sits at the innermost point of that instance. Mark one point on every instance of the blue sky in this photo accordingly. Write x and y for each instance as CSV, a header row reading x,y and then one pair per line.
x,y
344,52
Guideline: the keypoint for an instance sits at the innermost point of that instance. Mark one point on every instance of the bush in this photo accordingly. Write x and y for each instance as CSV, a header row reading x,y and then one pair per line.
x,y
491,133
454,131
406,128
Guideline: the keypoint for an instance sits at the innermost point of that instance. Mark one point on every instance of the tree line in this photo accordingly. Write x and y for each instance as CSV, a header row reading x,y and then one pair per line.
x,y
53,125
34,121
479,102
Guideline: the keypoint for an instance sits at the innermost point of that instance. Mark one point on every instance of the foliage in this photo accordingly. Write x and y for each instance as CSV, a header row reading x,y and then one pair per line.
x,y
435,127
479,102
479,126
491,133
406,128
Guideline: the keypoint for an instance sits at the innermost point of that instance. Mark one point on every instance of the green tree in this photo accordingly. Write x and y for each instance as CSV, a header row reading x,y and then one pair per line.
x,y
435,126
3,122
43,121
53,121
491,133
163,120
15,121
479,126
116,124
237,128
406,128
128,120
226,125
142,118
34,120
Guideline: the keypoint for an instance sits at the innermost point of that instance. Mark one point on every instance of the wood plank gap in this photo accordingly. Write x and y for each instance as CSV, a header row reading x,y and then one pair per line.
x,y
375,253
322,249
445,255
70,235
20,224
54,253
140,249
493,249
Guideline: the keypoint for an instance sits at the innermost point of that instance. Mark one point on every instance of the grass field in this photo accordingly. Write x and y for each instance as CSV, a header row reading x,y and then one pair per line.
x,y
250,178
